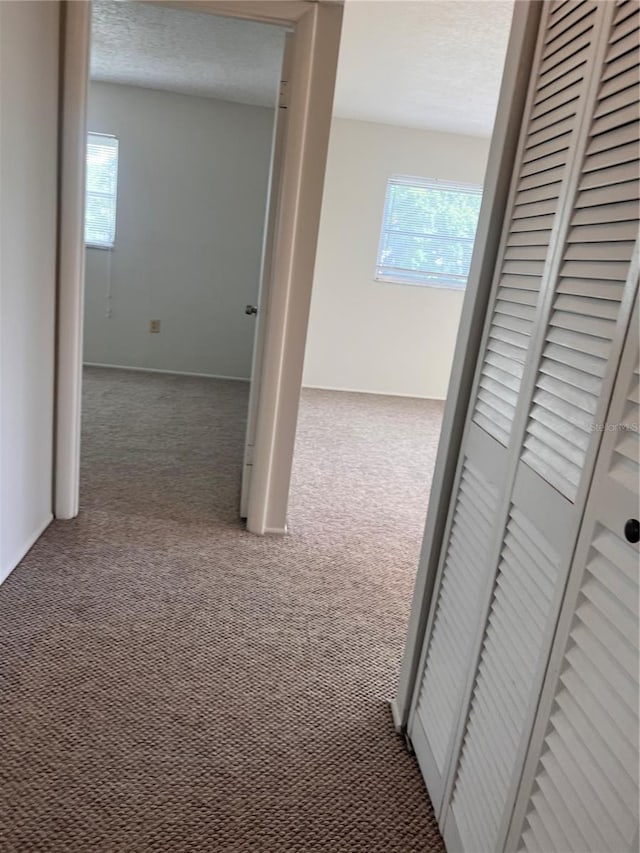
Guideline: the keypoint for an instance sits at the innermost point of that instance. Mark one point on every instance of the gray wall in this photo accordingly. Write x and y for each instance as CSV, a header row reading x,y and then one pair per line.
x,y
192,186
28,152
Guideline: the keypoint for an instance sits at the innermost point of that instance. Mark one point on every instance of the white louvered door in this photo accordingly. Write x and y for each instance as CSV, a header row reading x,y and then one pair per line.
x,y
588,291
562,297
467,565
464,575
580,785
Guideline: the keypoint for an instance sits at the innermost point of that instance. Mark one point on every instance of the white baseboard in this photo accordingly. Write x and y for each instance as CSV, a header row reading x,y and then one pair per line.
x,y
24,549
374,393
269,531
397,717
168,372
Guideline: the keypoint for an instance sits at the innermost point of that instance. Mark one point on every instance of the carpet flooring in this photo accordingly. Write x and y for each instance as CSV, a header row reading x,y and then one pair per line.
x,y
169,682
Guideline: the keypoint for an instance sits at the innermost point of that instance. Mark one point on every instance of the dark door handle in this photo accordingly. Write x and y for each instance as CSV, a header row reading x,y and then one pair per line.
x,y
251,309
632,530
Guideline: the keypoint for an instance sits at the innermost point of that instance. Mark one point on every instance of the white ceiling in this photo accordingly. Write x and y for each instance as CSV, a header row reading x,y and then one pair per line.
x,y
188,52
431,64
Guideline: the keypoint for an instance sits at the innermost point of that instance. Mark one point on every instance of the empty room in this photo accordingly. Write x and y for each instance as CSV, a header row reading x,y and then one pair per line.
x,y
319,445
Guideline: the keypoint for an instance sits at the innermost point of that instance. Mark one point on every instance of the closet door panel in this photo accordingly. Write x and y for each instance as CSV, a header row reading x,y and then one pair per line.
x,y
580,786
559,91
526,585
464,574
526,598
589,293
573,358
481,513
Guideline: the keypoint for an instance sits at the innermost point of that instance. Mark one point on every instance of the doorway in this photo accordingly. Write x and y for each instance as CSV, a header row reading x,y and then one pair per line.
x,y
179,154
403,192
315,29
387,302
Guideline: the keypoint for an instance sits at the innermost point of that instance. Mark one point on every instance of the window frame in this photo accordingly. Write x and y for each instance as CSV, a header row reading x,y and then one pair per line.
x,y
425,183
93,244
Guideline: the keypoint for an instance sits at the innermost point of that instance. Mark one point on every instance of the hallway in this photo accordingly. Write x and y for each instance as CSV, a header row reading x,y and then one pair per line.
x,y
169,682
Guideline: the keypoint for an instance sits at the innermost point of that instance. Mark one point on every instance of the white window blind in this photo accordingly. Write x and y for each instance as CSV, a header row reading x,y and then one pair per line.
x,y
102,189
428,229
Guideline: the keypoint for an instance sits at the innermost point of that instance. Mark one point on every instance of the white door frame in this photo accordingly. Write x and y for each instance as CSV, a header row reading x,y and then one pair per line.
x,y
266,269
316,30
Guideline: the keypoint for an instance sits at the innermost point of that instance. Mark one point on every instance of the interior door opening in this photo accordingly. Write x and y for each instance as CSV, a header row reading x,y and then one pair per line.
x,y
183,132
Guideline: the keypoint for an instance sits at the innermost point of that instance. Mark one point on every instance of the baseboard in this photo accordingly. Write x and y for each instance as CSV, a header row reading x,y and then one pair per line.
x,y
24,550
268,531
373,393
398,725
168,372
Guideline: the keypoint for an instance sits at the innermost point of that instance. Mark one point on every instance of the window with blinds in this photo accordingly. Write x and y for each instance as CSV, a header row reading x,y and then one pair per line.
x,y
428,229
102,190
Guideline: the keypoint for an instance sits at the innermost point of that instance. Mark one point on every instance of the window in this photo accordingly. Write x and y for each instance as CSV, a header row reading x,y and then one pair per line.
x,y
428,229
102,188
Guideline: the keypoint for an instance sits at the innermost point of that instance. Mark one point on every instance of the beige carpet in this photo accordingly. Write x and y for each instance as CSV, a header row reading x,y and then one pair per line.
x,y
169,682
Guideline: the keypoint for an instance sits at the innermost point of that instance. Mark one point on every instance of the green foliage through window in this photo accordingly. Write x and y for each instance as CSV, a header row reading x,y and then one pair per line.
x,y
428,231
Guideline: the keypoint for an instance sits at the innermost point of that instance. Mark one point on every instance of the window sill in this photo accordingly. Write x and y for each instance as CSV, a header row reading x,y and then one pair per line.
x,y
101,246
440,285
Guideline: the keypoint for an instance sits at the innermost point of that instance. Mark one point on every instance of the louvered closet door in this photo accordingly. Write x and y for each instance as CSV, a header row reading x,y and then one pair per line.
x,y
588,288
559,84
561,304
580,786
464,575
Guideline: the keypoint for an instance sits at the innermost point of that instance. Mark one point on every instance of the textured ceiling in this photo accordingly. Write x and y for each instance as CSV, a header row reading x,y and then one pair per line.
x,y
188,52
432,64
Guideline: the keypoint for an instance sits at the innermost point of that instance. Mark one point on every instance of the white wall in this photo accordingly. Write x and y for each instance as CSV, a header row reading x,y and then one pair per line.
x,y
372,336
192,187
28,151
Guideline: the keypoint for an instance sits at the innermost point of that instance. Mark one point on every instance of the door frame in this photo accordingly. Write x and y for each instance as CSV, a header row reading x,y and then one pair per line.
x,y
266,267
316,36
